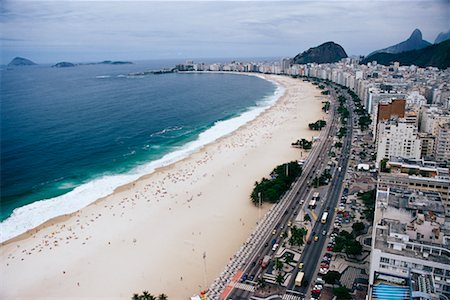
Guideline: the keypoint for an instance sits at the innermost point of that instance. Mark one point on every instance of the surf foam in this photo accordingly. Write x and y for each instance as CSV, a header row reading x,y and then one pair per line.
x,y
32,215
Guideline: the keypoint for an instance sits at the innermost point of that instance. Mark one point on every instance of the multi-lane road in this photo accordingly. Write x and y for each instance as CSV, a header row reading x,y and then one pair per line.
x,y
292,204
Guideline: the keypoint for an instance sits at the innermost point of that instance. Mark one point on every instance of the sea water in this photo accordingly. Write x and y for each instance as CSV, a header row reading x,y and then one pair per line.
x,y
72,135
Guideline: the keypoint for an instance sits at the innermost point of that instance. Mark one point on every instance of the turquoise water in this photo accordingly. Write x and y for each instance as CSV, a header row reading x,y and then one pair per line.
x,y
74,134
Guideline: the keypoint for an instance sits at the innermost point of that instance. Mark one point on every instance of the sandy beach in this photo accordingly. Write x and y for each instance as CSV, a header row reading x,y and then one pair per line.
x,y
152,234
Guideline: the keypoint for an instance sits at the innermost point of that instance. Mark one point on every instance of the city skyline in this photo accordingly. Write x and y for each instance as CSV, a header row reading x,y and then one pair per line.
x,y
81,31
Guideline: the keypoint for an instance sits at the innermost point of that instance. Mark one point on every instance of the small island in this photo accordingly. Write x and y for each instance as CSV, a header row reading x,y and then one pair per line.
x,y
63,64
20,61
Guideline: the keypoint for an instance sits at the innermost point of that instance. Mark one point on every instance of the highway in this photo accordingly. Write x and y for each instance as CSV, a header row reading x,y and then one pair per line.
x,y
312,253
317,159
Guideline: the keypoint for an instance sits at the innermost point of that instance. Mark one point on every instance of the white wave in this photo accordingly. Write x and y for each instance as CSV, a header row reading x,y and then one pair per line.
x,y
34,214
102,76
166,130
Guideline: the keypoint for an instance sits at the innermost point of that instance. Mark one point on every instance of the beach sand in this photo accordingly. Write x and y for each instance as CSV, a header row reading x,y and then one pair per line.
x,y
152,234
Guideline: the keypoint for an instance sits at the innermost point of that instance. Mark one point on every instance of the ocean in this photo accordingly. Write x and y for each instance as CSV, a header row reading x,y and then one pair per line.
x,y
72,135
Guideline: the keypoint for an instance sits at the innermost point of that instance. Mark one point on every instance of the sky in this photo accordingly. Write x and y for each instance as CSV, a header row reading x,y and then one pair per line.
x,y
88,31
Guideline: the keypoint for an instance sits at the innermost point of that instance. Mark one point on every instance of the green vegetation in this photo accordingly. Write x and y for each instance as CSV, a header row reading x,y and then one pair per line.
x,y
342,293
326,106
332,277
297,236
323,179
338,145
279,279
342,132
147,296
383,166
325,92
278,264
368,198
318,125
271,190
358,228
437,55
303,144
306,218
321,86
345,242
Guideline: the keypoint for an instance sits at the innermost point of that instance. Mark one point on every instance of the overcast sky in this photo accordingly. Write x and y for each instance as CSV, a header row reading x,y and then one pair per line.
x,y
83,31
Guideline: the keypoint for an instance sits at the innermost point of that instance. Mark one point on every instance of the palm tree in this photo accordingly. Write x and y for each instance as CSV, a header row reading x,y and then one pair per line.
x,y
278,264
279,279
136,297
162,297
261,282
145,295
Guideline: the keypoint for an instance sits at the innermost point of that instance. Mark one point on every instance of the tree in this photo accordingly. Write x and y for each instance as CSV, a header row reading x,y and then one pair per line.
x,y
279,279
332,277
383,166
261,282
353,247
162,297
306,218
358,227
136,297
271,190
342,293
278,264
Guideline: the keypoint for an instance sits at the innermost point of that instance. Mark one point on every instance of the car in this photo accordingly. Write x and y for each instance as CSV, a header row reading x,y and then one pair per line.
x,y
275,246
266,244
316,238
274,232
244,278
309,241
324,232
300,265
318,287
289,224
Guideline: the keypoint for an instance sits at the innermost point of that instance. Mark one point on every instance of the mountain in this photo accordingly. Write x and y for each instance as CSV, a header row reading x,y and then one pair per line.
x,y
63,64
328,52
443,36
414,42
436,55
109,62
20,61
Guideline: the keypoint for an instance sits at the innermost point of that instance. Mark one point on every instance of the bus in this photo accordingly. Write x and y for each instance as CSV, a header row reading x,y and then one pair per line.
x,y
324,217
312,204
316,196
299,278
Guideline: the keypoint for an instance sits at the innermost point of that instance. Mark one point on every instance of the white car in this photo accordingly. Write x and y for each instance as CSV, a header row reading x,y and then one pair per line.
x,y
275,246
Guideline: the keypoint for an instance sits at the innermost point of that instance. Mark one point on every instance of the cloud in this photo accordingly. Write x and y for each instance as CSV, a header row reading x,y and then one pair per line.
x,y
84,29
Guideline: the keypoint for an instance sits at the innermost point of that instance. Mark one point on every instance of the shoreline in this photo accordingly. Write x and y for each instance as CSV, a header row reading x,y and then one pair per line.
x,y
155,231
134,174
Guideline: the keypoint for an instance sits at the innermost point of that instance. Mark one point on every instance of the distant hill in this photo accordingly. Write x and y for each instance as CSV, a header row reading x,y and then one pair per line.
x,y
414,42
63,64
109,62
328,52
436,55
443,36
20,61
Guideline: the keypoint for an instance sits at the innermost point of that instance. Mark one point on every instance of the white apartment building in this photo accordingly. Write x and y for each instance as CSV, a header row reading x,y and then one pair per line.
x,y
410,243
442,144
397,138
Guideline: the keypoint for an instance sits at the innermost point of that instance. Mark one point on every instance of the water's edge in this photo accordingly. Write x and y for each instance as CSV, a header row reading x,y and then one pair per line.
x,y
44,210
